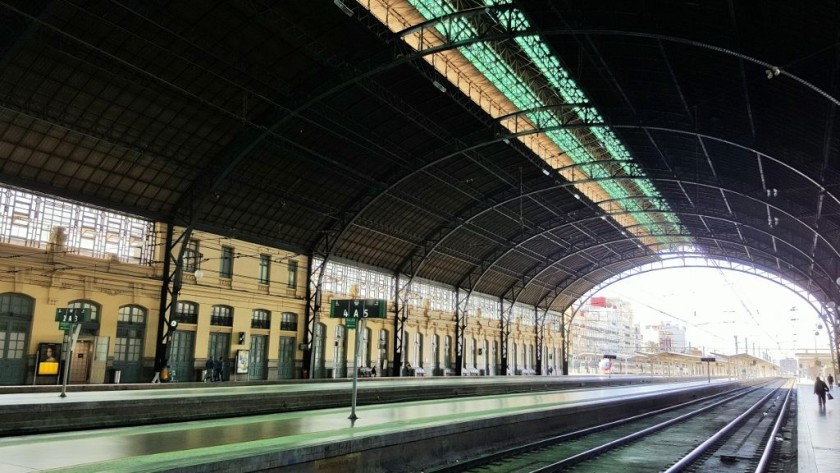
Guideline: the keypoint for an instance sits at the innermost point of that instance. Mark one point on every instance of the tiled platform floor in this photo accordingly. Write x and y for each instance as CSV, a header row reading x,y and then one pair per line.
x,y
818,431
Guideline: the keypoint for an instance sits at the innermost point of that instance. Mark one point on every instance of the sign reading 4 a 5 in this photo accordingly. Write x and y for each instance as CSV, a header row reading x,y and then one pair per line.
x,y
358,308
72,315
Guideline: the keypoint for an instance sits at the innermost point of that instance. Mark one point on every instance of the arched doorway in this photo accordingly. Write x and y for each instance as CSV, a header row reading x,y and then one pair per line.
x,y
128,346
15,323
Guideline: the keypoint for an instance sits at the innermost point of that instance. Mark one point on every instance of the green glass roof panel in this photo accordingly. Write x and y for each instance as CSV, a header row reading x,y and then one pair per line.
x,y
501,74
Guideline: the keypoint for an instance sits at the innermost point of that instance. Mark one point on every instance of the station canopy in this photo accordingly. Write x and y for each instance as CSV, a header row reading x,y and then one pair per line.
x,y
524,150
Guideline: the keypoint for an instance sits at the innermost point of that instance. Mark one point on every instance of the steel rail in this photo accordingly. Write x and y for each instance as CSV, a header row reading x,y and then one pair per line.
x,y
770,446
593,452
554,440
709,443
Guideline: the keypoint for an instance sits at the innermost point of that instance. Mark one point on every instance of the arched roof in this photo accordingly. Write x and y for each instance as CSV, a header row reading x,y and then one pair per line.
x,y
527,150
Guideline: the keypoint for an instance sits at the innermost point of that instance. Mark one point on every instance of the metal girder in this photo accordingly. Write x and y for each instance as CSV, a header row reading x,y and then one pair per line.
x,y
828,288
427,249
479,16
170,289
401,296
461,302
699,135
530,275
518,30
747,268
312,312
504,332
744,267
539,335
768,251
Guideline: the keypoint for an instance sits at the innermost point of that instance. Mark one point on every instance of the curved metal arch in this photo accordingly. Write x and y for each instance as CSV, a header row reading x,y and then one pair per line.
x,y
503,254
606,267
759,249
235,160
494,140
496,37
711,216
533,277
622,277
796,171
420,54
673,130
778,209
566,326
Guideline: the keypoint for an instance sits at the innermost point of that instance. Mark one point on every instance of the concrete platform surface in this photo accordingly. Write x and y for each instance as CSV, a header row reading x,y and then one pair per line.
x,y
818,431
300,434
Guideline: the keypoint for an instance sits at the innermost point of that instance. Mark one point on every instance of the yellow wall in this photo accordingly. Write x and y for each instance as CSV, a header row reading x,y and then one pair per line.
x,y
54,279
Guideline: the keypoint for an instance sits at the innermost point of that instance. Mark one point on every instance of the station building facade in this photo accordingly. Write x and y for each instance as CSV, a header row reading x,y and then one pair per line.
x,y
240,301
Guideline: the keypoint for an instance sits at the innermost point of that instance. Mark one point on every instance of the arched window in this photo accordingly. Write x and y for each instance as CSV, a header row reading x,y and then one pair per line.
x,y
222,315
131,325
82,304
186,312
260,318
288,321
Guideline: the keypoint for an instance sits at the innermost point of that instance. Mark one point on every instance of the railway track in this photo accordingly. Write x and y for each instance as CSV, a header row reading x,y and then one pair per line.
x,y
732,431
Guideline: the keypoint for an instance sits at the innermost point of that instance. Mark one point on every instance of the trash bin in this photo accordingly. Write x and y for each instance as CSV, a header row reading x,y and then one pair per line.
x,y
114,376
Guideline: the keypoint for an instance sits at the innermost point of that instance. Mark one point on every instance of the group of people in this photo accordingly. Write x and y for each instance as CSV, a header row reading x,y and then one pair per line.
x,y
821,389
213,369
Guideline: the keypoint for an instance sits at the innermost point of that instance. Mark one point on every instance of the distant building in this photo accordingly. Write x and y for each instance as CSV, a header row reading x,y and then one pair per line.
x,y
670,338
789,366
605,326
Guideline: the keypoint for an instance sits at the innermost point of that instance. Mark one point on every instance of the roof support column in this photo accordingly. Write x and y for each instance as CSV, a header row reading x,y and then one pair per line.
x,y
539,334
400,316
170,288
460,327
312,313
504,332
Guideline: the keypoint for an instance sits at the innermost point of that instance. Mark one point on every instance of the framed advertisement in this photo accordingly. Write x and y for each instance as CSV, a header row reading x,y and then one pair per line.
x,y
242,361
49,355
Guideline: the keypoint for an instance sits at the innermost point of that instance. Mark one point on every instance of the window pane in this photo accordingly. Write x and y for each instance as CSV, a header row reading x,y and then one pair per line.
x,y
292,282
288,321
226,262
222,316
260,319
265,268
192,258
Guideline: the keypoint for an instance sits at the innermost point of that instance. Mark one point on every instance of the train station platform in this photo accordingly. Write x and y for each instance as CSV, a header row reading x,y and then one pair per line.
x,y
396,436
39,409
818,431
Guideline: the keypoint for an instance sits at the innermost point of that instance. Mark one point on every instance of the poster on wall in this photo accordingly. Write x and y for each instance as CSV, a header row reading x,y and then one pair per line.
x,y
241,361
48,356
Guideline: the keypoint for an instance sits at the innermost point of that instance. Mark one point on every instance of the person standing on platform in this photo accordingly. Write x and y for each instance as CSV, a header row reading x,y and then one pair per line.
x,y
218,367
830,382
373,371
820,389
209,368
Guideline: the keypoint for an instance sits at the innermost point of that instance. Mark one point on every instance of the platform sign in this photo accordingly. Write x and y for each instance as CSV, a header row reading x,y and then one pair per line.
x,y
609,357
72,315
708,360
358,308
350,322
65,326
